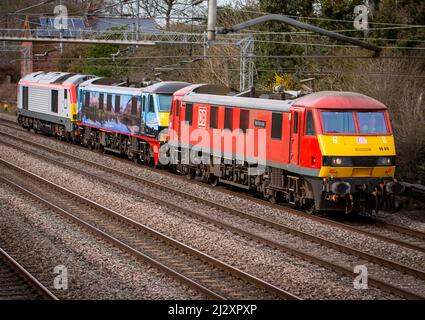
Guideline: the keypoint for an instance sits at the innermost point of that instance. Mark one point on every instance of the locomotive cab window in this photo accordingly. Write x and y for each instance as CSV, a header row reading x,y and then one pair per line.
x,y
134,106
178,104
151,104
143,104
86,99
109,102
372,122
188,116
101,101
25,98
309,124
277,126
54,101
117,104
295,122
228,119
164,102
338,122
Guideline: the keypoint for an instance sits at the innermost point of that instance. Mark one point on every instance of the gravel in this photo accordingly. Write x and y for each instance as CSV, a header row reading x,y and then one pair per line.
x,y
40,240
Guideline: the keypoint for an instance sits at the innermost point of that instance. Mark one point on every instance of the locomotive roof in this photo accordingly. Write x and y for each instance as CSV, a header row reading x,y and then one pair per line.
x,y
339,100
55,77
206,88
89,85
166,87
323,100
249,103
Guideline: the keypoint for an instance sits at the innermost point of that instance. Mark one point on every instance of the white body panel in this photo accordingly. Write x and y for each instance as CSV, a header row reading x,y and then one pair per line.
x,y
40,100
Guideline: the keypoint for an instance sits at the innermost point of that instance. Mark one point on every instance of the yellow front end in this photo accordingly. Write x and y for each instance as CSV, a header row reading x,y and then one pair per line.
x,y
73,112
357,146
164,118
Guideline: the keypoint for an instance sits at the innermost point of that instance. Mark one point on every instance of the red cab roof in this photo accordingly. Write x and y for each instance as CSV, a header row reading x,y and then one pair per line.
x,y
339,100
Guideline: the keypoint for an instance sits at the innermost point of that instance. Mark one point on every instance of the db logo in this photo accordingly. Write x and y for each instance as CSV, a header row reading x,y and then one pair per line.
x,y
202,117
361,140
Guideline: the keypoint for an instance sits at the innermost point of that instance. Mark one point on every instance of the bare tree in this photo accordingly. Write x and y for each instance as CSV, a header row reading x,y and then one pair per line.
x,y
168,10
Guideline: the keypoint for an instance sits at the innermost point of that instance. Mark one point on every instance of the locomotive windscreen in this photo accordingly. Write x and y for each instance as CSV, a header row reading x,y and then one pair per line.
x,y
338,122
164,102
372,122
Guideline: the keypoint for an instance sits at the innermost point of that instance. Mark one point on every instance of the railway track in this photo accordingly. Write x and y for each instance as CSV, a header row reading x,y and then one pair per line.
x,y
16,283
202,272
275,244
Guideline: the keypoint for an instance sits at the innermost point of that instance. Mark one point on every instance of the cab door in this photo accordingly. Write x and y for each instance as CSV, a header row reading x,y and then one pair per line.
x,y
175,118
143,114
152,117
296,117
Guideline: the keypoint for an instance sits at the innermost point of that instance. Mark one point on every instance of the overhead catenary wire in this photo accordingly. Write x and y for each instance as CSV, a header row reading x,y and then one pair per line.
x,y
225,57
335,30
306,33
303,33
34,6
326,19
333,45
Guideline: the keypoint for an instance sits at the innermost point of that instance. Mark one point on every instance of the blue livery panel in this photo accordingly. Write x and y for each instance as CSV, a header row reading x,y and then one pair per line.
x,y
114,112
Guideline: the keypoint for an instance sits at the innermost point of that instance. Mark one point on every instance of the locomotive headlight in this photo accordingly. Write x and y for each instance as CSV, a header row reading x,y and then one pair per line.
x,y
337,161
385,161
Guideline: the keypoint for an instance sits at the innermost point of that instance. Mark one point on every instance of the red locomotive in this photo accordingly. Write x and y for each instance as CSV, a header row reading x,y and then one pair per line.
x,y
324,151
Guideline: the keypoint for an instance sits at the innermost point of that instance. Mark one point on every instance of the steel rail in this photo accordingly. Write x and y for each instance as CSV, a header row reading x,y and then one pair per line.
x,y
26,277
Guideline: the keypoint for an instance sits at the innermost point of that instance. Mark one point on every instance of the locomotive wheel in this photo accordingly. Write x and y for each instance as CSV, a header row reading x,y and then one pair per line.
x,y
214,181
273,198
190,174
309,207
